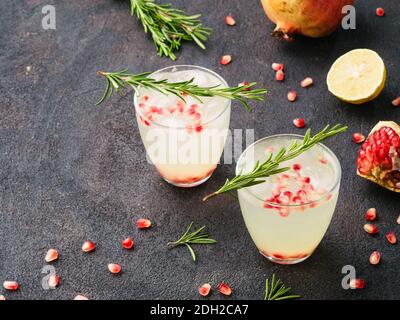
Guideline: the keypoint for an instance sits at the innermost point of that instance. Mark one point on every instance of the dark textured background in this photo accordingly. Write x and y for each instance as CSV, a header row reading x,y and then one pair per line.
x,y
71,171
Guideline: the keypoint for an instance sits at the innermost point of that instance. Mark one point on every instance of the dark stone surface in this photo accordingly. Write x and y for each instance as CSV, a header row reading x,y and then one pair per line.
x,y
71,171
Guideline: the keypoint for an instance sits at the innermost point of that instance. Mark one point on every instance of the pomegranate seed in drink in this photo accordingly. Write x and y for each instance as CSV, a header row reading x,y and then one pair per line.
x,y
80,297
114,268
279,76
370,214
299,122
396,102
88,246
53,281
127,243
204,290
391,237
10,285
277,66
306,82
375,258
51,255
230,21
292,95
224,289
371,228
380,12
226,59
358,137
296,167
143,223
357,283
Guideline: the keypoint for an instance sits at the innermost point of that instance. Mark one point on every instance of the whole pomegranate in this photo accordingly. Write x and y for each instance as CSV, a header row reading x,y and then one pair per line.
x,y
312,18
379,157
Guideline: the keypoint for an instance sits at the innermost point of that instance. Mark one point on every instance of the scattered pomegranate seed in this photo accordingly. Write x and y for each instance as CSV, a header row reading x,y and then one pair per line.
x,y
375,257
357,283
10,285
380,12
127,243
370,214
88,246
358,137
292,95
80,297
53,281
277,66
114,268
244,83
230,21
396,102
2,297
204,290
226,59
51,255
398,220
299,122
371,228
391,237
279,76
143,223
296,167
224,289
306,82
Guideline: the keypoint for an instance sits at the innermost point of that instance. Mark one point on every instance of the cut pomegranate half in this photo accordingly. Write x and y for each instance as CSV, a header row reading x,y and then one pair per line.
x,y
379,157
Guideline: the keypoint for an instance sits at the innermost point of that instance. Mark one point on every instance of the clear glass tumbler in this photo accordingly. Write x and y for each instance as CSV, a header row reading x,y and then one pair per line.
x,y
289,214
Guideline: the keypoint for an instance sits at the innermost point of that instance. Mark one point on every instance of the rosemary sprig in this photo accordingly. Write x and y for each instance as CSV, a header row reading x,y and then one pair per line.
x,y
271,166
117,81
277,290
195,237
168,26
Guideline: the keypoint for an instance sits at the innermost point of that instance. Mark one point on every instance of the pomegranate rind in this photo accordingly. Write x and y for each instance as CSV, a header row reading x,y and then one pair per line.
x,y
382,183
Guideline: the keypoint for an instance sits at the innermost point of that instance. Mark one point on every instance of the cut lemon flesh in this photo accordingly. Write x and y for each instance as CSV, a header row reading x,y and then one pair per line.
x,y
357,76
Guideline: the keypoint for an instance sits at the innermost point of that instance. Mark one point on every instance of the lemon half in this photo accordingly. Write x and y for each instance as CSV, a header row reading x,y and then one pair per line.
x,y
357,76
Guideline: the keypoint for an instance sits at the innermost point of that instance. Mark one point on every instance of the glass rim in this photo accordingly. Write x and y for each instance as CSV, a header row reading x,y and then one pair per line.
x,y
274,204
223,82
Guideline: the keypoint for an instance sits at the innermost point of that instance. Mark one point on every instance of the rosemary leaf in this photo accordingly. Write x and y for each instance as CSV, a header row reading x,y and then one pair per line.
x,y
277,290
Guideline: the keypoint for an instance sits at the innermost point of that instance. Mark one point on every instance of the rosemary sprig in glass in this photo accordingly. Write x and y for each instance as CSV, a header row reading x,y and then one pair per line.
x,y
271,166
168,26
277,290
117,81
195,237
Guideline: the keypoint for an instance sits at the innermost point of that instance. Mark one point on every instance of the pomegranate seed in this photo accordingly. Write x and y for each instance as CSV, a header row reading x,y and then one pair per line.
x,y
230,21
371,214
198,128
398,220
371,228
391,237
88,246
224,289
299,122
292,95
2,297
323,160
306,82
51,255
375,257
380,12
296,167
277,66
53,281
244,83
143,223
80,297
358,137
127,243
204,290
396,102
357,283
114,268
10,285
279,76
226,59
